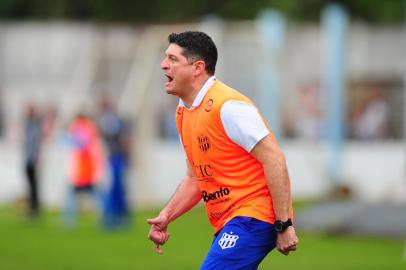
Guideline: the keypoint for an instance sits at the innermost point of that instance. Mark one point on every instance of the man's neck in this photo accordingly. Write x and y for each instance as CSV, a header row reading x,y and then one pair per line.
x,y
191,95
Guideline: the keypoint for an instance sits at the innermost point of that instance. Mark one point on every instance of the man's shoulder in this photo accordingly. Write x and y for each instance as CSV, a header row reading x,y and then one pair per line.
x,y
224,88
223,93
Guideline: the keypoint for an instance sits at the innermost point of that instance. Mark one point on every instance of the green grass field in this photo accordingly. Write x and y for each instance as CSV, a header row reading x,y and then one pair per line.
x,y
45,245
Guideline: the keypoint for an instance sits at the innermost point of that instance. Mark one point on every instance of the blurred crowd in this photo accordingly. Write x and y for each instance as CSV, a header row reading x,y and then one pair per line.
x,y
99,147
369,116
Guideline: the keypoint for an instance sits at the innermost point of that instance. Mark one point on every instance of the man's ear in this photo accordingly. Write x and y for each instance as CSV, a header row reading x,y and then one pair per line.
x,y
200,67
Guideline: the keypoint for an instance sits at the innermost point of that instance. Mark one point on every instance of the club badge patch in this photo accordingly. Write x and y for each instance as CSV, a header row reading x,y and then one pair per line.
x,y
204,144
228,240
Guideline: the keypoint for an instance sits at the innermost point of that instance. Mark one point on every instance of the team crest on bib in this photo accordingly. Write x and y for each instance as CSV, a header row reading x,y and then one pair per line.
x,y
204,144
228,240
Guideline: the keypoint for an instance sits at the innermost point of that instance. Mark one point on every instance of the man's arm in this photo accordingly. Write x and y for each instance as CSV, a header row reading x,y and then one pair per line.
x,y
186,197
273,161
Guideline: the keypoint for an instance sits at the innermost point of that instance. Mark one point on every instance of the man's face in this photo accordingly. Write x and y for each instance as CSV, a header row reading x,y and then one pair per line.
x,y
178,71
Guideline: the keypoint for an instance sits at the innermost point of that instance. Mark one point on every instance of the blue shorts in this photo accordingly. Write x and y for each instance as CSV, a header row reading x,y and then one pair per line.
x,y
241,244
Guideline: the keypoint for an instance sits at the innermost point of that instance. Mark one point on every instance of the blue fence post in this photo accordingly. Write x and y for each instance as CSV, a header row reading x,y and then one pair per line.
x,y
271,28
334,21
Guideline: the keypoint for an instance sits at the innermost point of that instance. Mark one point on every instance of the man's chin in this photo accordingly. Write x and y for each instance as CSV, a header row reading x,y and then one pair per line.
x,y
170,91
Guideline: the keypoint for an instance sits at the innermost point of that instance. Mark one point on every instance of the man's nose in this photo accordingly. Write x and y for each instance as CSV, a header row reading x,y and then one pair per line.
x,y
164,64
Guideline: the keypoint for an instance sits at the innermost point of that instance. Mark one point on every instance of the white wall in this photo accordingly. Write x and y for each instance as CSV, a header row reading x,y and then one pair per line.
x,y
374,172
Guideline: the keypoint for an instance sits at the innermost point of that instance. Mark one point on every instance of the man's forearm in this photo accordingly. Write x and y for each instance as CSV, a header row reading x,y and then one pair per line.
x,y
186,197
277,177
273,161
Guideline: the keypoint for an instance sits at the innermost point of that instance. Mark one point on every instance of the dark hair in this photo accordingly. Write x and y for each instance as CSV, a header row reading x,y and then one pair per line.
x,y
197,46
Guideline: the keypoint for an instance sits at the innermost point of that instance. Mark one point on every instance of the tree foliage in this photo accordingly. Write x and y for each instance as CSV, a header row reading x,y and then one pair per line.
x,y
374,11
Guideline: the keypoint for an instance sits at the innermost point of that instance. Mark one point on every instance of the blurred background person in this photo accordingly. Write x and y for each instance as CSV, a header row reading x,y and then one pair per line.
x,y
32,147
304,116
85,167
370,120
116,134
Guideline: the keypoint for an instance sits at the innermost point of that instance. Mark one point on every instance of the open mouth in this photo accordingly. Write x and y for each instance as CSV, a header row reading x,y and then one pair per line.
x,y
169,78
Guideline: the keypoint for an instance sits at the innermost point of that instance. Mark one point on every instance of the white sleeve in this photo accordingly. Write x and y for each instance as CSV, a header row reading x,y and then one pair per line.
x,y
243,124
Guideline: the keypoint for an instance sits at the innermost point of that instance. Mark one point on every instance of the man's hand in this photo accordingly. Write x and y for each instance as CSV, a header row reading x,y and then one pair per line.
x,y
287,241
158,232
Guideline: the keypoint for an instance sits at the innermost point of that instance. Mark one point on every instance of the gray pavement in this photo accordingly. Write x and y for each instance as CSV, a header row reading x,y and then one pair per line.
x,y
352,217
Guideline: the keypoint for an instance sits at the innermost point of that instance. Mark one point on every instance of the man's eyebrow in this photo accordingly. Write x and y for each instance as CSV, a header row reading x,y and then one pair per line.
x,y
170,55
